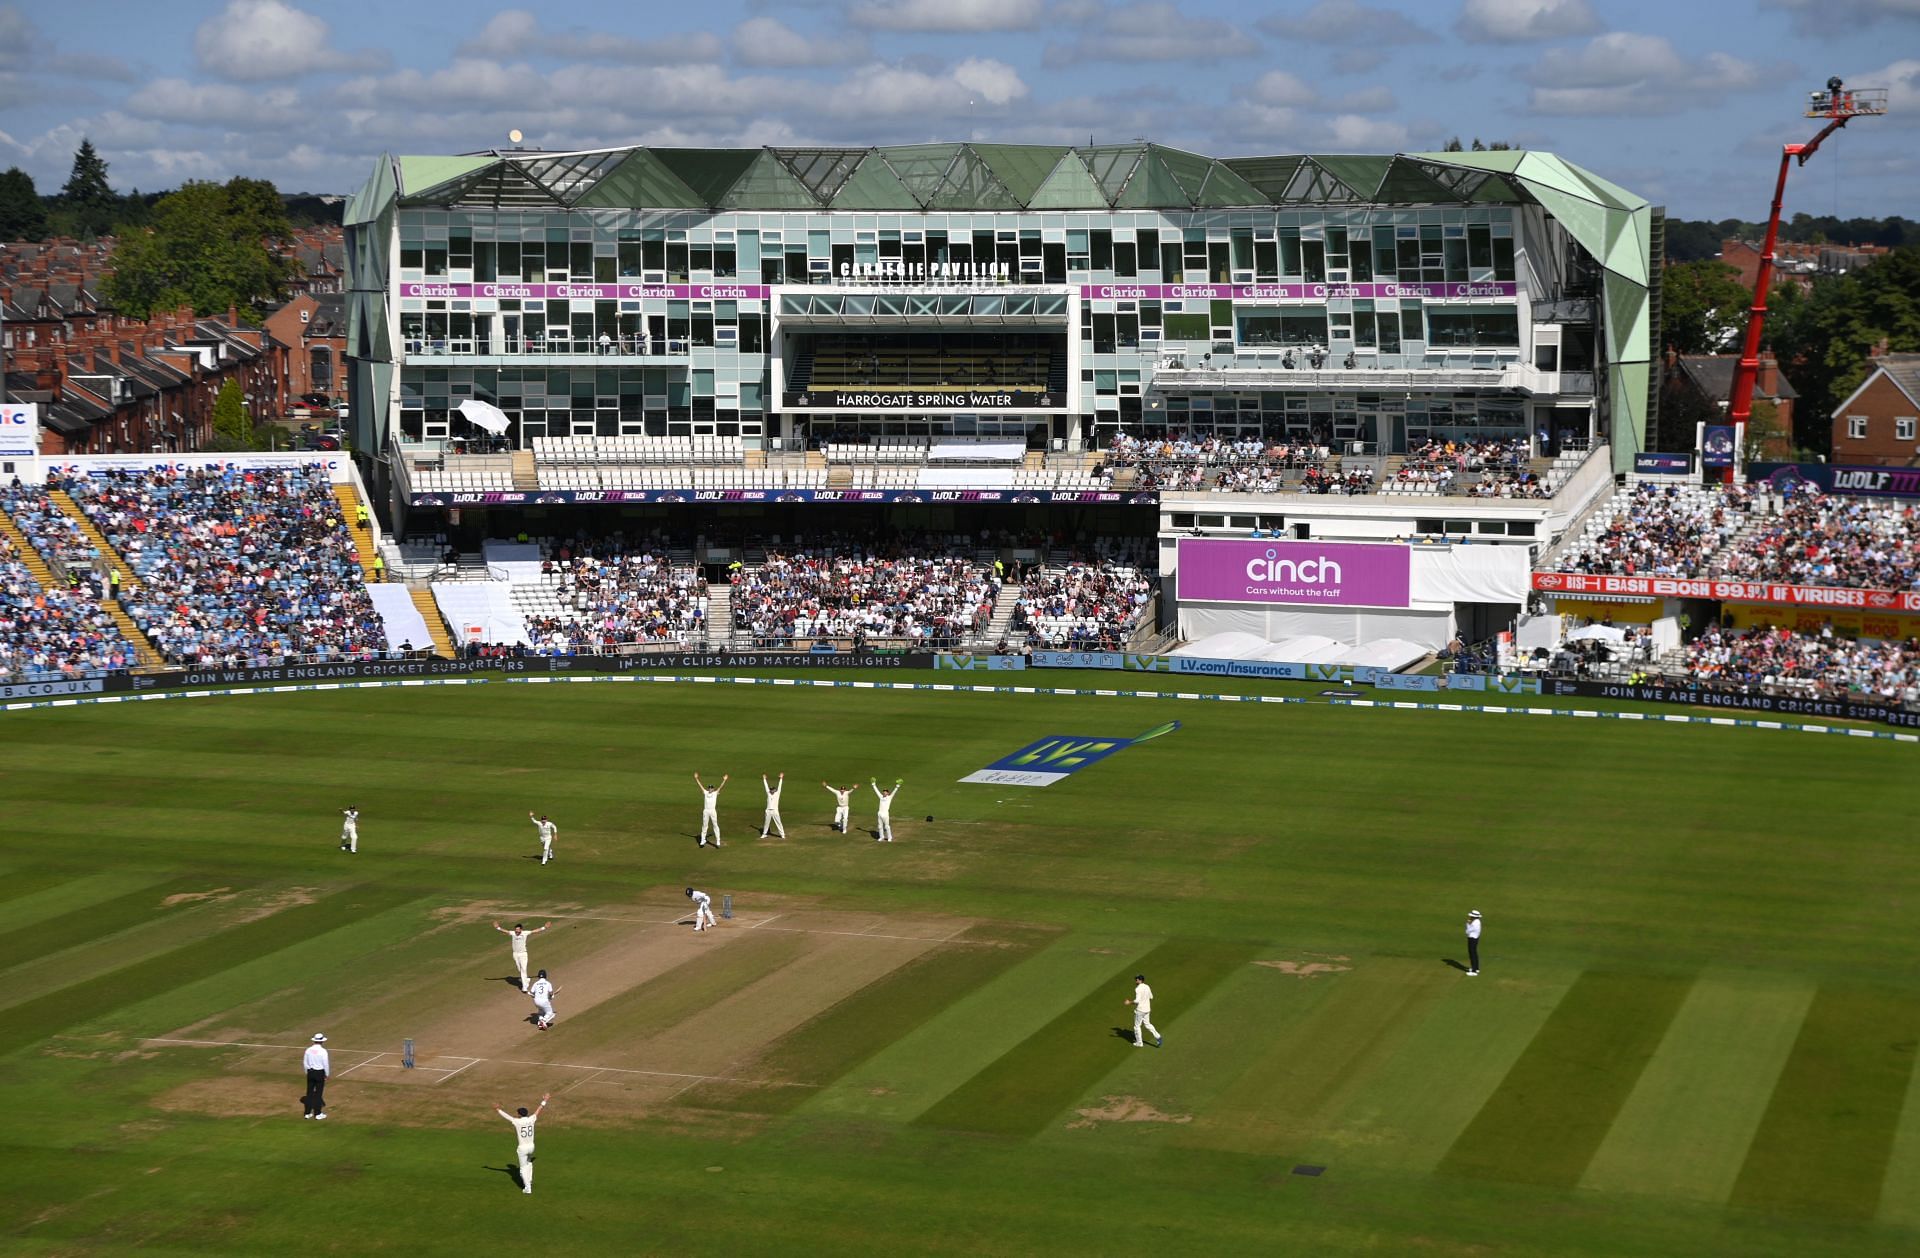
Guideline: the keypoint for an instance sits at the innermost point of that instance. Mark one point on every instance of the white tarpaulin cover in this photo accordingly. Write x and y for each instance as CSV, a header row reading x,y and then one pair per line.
x,y
1389,653
1471,574
1537,632
1431,628
398,616
1297,650
977,452
1224,646
485,416
1602,633
482,605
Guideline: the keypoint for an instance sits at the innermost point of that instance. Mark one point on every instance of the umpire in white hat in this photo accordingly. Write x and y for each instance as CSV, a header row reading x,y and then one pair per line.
x,y
1473,943
319,1066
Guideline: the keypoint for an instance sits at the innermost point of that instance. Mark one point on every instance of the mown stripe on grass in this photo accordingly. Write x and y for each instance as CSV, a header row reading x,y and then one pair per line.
x,y
1823,1146
827,1046
96,921
694,986
1019,1094
70,890
1685,1130
1900,1192
17,884
1543,1123
65,1007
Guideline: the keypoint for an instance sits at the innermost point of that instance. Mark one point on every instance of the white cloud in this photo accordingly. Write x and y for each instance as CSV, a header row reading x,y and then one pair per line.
x,y
1902,81
214,105
1521,21
1623,73
25,49
517,33
1823,17
1346,22
1353,133
1359,60
259,41
948,15
1280,89
766,41
1151,31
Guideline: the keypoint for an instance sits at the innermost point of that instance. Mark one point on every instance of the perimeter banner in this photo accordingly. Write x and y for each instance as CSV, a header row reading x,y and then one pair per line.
x,y
1724,591
1786,705
1873,482
597,497
1325,574
53,689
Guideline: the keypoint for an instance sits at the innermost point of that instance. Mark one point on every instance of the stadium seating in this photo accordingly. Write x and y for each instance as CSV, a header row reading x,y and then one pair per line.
x,y
53,634
1658,530
1091,604
933,591
1824,666
239,566
607,596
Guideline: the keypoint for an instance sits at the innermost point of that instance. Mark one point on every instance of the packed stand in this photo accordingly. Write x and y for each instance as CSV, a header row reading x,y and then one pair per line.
x,y
928,590
53,532
1819,539
1183,461
1093,604
238,566
1821,666
619,596
1660,530
53,634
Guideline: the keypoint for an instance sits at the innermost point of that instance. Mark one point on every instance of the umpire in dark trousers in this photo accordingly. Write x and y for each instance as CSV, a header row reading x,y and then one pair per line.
x,y
319,1066
1473,943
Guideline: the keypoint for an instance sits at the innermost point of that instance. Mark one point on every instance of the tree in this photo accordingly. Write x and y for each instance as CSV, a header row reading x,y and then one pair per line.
x,y
232,426
1703,307
87,185
1826,339
1453,146
1767,437
206,249
23,216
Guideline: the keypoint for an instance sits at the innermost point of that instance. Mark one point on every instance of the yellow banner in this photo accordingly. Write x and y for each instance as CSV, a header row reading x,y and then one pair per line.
x,y
1848,622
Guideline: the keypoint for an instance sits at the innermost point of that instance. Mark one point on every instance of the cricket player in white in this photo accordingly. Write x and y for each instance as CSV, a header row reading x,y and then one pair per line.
x,y
772,819
710,808
1142,1003
517,939
542,992
523,1128
883,829
842,805
702,909
547,831
350,830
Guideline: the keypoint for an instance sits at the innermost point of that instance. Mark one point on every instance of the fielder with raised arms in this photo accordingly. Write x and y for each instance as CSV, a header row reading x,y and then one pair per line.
x,y
710,808
772,819
523,1129
547,831
517,940
842,805
883,828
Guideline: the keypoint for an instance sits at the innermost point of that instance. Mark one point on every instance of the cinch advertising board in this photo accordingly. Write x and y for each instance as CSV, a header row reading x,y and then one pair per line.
x,y
1321,574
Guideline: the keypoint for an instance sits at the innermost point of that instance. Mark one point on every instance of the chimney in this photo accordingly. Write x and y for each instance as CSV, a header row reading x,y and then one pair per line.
x,y
233,315
1766,378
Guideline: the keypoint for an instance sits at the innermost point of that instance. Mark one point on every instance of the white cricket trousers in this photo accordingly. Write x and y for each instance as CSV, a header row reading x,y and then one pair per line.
x,y
842,818
546,850
703,916
772,822
710,818
525,1153
544,1009
520,963
885,827
1141,1019
350,835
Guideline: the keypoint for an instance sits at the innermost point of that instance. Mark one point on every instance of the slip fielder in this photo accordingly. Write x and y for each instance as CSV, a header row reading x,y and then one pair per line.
x,y
883,828
771,821
710,808
842,805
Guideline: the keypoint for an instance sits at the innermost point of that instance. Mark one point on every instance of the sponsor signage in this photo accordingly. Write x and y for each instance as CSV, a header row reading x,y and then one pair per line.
x,y
1601,585
341,670
1662,464
920,400
1784,705
52,689
1297,292
674,661
982,663
625,291
1056,757
1717,443
19,430
900,271
1325,574
595,497
1872,482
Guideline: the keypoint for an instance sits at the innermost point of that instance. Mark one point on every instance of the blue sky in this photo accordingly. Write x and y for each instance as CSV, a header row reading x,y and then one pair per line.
x,y
1686,101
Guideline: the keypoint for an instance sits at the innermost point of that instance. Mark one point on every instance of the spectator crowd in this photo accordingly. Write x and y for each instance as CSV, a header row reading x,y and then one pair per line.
x,y
237,566
1182,461
1660,530
53,634
927,590
619,597
1093,604
1821,666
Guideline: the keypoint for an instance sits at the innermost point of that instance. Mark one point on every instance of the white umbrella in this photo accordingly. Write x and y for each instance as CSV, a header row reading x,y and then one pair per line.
x,y
1606,633
485,415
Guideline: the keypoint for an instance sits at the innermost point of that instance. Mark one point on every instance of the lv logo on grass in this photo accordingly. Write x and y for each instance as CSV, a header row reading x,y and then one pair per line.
x,y
1047,760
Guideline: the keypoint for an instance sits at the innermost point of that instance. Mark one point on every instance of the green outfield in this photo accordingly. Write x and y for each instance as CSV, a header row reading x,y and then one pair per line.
x,y
1694,1032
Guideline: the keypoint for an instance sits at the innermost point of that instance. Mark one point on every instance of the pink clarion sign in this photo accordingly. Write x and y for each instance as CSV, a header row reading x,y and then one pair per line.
x,y
1324,574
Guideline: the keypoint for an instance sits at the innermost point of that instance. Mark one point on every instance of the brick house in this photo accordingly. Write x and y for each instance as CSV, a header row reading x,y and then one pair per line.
x,y
1879,423
313,327
1699,387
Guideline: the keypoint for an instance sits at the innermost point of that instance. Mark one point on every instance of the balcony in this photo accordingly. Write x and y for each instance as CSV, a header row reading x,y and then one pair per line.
x,y
1268,372
551,351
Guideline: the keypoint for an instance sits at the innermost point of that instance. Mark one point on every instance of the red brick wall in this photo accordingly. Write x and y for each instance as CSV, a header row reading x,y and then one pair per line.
x,y
1881,402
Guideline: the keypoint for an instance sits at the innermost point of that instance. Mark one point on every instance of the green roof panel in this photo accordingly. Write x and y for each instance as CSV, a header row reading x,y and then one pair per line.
x,y
711,173
1069,187
419,175
921,168
1361,172
1407,182
641,180
1152,185
1270,176
768,184
970,183
823,171
1021,167
874,186
1112,165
